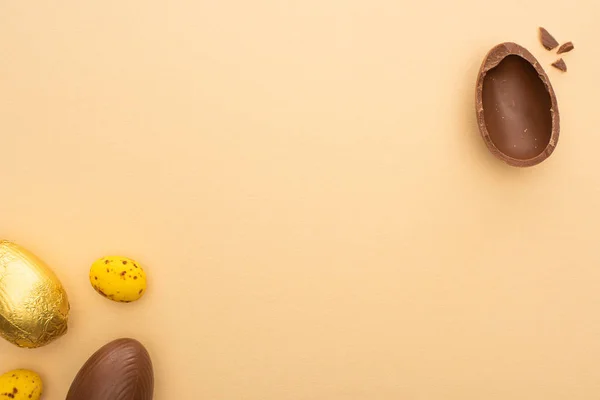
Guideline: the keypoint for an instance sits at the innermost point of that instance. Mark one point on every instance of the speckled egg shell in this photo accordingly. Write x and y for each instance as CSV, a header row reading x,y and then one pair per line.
x,y
21,384
118,278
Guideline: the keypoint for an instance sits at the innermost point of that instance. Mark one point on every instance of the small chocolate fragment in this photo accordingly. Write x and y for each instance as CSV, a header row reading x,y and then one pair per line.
x,y
547,39
565,48
560,64
517,111
122,369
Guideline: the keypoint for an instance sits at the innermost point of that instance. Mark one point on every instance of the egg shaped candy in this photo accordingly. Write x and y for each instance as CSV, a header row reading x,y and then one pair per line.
x,y
34,308
120,370
118,278
517,110
20,384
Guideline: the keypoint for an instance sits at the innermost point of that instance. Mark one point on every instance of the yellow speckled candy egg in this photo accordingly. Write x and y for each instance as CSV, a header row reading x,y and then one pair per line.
x,y
20,384
118,278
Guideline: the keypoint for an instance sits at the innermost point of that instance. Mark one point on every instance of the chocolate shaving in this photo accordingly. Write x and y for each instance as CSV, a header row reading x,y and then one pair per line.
x,y
565,48
560,65
547,39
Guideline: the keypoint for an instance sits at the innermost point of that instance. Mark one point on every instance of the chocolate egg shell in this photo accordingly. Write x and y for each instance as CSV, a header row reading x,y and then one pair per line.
x,y
517,111
120,370
34,308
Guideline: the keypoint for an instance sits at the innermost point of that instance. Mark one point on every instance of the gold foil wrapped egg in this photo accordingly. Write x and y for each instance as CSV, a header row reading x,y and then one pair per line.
x,y
34,308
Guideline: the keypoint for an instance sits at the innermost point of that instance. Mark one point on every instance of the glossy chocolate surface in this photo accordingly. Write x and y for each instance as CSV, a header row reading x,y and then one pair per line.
x,y
120,370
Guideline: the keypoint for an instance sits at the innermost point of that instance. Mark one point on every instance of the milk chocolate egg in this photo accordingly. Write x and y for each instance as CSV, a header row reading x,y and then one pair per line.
x,y
120,370
34,308
517,111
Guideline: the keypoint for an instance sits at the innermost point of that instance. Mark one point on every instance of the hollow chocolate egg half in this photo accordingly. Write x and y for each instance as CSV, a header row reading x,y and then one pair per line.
x,y
517,111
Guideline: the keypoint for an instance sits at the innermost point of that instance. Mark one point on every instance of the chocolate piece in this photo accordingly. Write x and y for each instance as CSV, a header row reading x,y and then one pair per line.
x,y
517,111
547,39
122,369
560,64
565,48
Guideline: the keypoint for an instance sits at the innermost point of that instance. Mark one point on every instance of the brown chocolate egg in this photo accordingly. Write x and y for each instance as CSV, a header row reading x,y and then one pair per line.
x,y
517,111
120,370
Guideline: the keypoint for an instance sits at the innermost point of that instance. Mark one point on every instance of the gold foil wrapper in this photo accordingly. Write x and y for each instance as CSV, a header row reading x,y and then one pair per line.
x,y
34,308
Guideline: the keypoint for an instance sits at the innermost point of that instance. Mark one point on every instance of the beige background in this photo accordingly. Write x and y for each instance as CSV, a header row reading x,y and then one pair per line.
x,y
305,184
